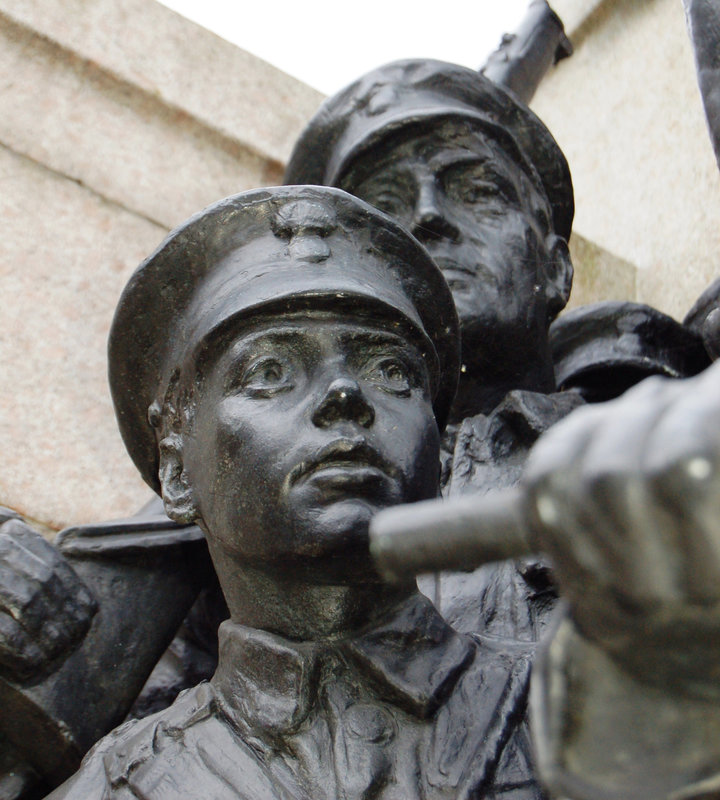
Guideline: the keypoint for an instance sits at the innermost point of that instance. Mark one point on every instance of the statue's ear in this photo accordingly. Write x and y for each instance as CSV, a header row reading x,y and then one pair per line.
x,y
558,275
177,494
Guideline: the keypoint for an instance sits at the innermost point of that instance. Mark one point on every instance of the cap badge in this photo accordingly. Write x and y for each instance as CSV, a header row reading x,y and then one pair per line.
x,y
305,225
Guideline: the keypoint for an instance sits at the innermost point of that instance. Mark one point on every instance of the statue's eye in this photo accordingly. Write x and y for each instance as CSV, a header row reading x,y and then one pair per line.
x,y
391,375
385,201
471,186
266,376
392,203
478,184
478,191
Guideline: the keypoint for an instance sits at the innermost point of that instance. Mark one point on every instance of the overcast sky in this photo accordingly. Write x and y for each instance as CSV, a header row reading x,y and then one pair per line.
x,y
329,43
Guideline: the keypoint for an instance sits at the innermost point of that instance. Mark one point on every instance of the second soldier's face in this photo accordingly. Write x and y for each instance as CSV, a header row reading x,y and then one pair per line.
x,y
477,213
304,427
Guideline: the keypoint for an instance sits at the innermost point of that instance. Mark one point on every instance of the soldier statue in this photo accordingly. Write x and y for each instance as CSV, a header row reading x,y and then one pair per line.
x,y
297,384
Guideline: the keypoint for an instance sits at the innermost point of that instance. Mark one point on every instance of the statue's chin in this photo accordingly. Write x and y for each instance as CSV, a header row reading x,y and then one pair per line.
x,y
326,544
331,530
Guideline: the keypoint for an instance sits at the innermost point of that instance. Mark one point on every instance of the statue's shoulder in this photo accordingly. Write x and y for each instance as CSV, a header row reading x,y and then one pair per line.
x,y
187,751
142,752
158,739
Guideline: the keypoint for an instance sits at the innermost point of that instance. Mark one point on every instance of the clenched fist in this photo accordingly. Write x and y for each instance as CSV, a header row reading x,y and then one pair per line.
x,y
45,609
625,498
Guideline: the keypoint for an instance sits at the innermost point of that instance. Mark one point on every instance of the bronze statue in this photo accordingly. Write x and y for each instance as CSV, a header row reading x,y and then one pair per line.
x,y
304,363
479,179
329,391
524,415
481,182
482,449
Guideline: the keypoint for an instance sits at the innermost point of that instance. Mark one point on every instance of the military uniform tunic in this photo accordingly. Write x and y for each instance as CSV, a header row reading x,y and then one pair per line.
x,y
513,600
408,709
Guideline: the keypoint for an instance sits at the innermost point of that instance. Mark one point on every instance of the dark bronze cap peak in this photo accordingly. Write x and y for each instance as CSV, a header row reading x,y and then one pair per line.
x,y
603,348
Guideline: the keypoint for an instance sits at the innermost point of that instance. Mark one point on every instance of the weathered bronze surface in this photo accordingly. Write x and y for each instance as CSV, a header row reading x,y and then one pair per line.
x,y
310,348
310,668
523,57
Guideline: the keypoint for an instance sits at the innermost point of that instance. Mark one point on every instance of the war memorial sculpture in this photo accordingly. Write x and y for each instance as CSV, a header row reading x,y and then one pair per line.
x,y
480,181
110,545
332,683
487,187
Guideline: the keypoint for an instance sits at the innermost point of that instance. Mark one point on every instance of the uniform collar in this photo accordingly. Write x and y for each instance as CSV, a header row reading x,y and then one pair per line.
x,y
268,684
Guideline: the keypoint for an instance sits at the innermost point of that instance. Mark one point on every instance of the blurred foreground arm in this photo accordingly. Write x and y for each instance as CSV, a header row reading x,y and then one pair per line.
x,y
625,498
626,501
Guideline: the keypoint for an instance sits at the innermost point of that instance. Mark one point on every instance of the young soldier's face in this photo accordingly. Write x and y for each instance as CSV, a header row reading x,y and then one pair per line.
x,y
304,427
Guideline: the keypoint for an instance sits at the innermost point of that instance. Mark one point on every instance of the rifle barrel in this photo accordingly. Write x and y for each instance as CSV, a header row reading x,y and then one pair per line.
x,y
457,534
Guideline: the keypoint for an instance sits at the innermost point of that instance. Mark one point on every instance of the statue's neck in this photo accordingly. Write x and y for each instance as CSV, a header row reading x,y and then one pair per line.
x,y
301,610
485,382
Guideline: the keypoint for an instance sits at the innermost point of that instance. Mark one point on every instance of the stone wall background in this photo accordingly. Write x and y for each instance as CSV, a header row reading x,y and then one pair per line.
x,y
118,119
627,112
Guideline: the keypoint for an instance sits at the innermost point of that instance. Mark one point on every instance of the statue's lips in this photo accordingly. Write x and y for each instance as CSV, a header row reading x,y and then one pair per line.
x,y
471,286
448,265
452,271
343,461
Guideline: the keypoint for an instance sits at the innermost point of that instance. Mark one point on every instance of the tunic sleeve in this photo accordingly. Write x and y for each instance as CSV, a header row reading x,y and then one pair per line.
x,y
602,734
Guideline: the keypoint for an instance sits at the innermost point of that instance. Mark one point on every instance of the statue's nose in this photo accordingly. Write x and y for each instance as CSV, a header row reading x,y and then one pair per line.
x,y
429,221
344,401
